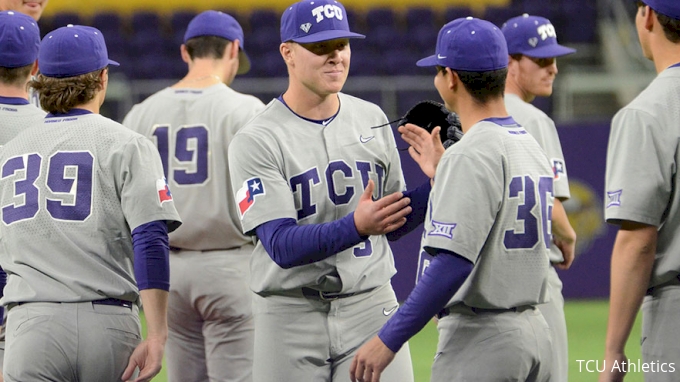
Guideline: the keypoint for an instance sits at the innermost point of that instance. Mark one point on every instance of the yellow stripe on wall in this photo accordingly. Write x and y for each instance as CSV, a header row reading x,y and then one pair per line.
x,y
87,8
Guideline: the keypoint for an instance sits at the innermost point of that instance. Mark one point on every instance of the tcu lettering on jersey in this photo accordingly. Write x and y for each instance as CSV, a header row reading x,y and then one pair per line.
x,y
327,11
339,179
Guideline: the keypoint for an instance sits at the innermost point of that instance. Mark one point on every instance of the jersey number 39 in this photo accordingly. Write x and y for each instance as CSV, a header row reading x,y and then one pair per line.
x,y
68,181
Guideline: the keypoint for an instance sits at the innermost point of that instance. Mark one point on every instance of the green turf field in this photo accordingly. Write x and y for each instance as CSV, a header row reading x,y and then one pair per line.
x,y
586,324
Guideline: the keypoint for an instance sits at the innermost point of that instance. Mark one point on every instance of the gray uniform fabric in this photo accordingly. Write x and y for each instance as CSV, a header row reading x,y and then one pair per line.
x,y
210,313
316,173
498,220
73,189
642,186
13,120
543,129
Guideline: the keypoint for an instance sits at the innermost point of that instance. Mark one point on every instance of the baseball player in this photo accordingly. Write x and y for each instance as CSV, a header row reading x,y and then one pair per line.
x,y
533,49
192,122
642,198
490,243
19,43
83,199
320,189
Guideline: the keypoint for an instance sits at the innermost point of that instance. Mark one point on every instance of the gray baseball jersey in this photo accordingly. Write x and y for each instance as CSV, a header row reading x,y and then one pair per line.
x,y
209,310
72,190
490,204
642,186
192,129
284,166
543,129
15,118
642,159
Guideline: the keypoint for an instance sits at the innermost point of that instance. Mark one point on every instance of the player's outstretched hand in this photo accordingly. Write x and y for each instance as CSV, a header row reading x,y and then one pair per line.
x,y
381,216
148,356
425,148
611,373
370,361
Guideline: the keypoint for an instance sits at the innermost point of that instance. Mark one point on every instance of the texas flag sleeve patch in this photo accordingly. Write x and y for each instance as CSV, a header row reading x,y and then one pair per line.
x,y
245,196
164,194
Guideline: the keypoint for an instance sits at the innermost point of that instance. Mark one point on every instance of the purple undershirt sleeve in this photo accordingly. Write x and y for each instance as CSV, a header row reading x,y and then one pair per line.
x,y
152,263
291,245
439,283
419,197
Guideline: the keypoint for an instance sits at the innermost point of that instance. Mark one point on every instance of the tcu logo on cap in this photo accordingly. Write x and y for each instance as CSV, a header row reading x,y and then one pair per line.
x,y
327,10
546,30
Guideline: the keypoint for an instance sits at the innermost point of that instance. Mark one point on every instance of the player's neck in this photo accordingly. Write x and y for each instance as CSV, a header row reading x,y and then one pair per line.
x,y
204,73
512,87
311,105
665,55
13,91
471,112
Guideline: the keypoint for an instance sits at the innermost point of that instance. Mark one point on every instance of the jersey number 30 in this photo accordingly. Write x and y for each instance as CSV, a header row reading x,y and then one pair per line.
x,y
527,237
190,152
69,182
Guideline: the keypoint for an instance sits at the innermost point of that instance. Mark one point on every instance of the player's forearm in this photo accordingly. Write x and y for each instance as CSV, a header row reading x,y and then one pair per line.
x,y
440,281
631,267
155,303
561,228
289,244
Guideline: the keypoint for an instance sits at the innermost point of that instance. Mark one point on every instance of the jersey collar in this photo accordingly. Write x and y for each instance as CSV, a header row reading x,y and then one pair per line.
x,y
70,113
14,101
322,122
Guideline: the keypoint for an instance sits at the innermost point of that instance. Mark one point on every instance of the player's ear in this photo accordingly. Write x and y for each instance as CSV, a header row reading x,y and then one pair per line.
x,y
452,78
34,69
286,52
649,16
233,49
185,54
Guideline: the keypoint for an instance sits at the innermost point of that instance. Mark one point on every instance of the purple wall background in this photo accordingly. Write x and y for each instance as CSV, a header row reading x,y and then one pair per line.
x,y
585,150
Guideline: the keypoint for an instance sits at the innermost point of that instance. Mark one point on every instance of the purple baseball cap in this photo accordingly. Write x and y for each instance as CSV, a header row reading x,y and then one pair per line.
x,y
73,50
315,20
219,24
469,44
670,8
533,36
19,40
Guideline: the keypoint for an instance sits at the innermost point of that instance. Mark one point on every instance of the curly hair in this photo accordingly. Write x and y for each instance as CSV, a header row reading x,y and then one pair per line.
x,y
60,95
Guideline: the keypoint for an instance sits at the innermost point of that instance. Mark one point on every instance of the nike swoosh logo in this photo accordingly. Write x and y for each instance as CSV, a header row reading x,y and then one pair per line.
x,y
364,140
387,312
326,122
439,56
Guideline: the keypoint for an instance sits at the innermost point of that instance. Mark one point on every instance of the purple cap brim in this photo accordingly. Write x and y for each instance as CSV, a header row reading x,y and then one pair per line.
x,y
549,51
428,61
114,63
327,35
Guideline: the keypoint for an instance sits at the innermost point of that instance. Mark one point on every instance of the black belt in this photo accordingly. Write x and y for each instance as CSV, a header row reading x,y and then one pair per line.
x,y
316,294
676,281
446,311
113,302
106,301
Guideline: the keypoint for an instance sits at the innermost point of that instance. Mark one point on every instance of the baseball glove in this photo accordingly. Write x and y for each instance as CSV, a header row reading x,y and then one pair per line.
x,y
429,114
